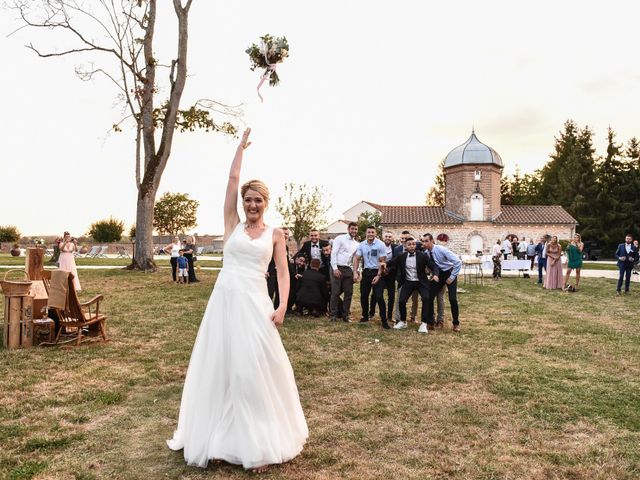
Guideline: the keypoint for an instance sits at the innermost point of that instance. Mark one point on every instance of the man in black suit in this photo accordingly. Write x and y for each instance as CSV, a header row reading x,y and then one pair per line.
x,y
397,251
312,248
412,276
312,291
272,276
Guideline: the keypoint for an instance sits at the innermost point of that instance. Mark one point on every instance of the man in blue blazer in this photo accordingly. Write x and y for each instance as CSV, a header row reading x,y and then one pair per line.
x,y
627,255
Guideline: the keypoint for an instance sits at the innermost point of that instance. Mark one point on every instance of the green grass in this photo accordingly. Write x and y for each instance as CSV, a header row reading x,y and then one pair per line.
x,y
599,266
538,385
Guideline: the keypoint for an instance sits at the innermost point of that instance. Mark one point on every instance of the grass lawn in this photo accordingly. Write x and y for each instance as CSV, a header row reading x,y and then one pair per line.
x,y
539,385
6,259
599,266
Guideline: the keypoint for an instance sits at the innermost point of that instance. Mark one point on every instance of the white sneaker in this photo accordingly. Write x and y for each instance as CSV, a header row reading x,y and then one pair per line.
x,y
400,325
423,328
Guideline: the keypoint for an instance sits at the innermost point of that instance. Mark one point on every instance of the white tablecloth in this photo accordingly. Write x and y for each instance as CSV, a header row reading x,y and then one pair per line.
x,y
516,264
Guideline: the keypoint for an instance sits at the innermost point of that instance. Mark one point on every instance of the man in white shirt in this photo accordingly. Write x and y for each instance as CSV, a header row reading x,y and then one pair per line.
x,y
342,251
506,246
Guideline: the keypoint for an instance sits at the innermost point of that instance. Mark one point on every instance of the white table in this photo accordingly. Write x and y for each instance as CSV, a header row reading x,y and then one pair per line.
x,y
516,264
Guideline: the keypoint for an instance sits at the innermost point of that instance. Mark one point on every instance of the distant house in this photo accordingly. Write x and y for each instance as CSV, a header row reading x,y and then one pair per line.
x,y
473,216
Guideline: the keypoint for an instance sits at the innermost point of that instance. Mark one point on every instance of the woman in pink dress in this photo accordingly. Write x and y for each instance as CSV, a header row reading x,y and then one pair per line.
x,y
554,279
67,261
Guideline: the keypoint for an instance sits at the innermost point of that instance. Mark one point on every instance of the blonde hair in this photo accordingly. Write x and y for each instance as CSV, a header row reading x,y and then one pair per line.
x,y
257,186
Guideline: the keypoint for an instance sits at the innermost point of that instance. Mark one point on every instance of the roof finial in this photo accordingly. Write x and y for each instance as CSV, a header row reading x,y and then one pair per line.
x,y
473,129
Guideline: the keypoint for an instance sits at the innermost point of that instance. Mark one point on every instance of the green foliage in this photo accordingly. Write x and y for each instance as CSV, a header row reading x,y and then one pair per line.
x,y
132,231
190,120
175,213
9,233
435,195
564,244
109,230
303,208
520,189
369,218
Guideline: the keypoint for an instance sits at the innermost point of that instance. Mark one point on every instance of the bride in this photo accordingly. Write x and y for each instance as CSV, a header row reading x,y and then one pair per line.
x,y
240,401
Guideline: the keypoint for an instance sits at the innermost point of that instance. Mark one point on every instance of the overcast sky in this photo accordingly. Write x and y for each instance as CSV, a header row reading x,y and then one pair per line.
x,y
373,96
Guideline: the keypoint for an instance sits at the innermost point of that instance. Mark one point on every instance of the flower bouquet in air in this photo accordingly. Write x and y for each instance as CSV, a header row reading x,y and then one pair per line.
x,y
266,55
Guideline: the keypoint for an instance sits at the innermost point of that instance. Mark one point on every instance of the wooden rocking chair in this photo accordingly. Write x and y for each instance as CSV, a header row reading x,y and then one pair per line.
x,y
78,315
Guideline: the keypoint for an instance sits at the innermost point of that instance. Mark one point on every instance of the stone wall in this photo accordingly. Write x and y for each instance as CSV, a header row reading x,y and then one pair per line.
x,y
460,184
460,235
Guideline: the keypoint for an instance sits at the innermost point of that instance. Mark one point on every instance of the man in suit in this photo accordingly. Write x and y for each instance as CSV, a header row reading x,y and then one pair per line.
x,y
541,252
449,265
412,276
398,250
388,279
271,275
627,255
312,291
312,248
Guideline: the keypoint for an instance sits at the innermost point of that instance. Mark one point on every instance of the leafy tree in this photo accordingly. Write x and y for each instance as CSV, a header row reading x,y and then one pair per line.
x,y
302,208
109,230
132,231
367,218
175,213
632,151
122,32
519,189
435,195
9,233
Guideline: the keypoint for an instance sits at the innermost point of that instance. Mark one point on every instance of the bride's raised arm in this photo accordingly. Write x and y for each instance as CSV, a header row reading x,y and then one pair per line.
x,y
231,217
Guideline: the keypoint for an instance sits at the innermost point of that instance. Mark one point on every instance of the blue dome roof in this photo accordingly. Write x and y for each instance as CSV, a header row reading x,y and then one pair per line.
x,y
472,152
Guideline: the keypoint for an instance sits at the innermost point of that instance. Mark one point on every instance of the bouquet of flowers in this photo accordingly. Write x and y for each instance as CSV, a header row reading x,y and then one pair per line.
x,y
270,52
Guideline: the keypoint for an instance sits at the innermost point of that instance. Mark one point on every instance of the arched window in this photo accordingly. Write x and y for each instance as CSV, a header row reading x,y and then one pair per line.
x,y
477,207
476,244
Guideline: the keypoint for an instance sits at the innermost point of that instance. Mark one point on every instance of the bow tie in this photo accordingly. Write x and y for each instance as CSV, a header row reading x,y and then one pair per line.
x,y
314,245
412,254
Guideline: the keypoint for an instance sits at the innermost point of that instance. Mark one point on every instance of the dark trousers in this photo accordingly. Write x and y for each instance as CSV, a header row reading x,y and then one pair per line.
x,y
506,255
344,284
542,263
368,274
407,290
388,284
174,267
192,271
453,296
272,288
531,258
624,272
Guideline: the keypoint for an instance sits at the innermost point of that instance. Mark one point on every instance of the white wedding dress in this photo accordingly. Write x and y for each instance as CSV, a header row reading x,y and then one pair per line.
x,y
240,401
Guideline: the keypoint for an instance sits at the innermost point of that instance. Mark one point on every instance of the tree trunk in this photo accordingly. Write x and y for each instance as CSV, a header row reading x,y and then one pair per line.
x,y
143,255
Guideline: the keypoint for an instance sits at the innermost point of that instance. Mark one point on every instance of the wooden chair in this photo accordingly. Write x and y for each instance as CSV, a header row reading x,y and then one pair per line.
x,y
78,315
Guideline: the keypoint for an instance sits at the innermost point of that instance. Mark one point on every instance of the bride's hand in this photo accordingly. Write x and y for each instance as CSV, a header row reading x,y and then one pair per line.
x,y
277,317
244,141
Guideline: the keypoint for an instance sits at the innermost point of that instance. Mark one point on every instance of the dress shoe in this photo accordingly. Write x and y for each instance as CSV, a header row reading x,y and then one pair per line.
x,y
439,325
386,325
456,328
364,320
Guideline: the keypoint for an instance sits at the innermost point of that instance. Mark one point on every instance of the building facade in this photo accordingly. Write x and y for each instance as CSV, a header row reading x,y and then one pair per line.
x,y
472,216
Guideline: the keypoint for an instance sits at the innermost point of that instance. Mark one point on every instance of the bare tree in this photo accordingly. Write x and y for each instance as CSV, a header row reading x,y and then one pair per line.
x,y
124,30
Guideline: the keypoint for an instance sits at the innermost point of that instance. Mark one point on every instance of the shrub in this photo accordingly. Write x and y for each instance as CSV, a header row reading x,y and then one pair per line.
x,y
9,233
109,230
132,231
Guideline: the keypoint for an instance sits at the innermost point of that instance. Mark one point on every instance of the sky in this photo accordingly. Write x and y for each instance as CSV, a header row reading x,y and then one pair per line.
x,y
373,96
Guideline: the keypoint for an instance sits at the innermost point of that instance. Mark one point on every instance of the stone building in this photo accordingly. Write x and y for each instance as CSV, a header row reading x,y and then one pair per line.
x,y
473,216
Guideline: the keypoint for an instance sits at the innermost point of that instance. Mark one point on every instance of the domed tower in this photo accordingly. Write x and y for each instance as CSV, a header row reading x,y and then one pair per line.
x,y
472,174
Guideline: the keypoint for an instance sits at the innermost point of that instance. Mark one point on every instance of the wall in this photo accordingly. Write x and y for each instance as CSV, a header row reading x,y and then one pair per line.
x,y
459,235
